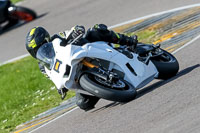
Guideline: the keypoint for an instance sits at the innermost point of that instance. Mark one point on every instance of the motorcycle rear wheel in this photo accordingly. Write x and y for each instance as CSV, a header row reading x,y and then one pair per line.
x,y
124,94
23,14
166,64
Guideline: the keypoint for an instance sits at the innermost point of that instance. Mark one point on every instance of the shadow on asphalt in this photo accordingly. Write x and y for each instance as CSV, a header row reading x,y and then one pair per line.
x,y
152,87
8,28
113,104
163,82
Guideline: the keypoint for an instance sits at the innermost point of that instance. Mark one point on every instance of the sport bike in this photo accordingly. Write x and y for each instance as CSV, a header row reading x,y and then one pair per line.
x,y
12,13
104,71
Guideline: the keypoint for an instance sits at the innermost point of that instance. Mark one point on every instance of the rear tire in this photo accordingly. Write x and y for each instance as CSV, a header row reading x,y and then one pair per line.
x,y
88,83
166,64
24,14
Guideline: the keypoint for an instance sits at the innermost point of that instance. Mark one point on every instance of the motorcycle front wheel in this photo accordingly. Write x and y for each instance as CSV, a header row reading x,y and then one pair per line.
x,y
166,64
122,91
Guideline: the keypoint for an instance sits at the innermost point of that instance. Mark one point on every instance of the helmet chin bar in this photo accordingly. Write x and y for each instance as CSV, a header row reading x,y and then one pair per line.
x,y
36,37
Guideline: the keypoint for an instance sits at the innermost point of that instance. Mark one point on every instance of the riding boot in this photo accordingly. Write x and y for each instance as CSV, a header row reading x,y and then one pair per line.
x,y
86,102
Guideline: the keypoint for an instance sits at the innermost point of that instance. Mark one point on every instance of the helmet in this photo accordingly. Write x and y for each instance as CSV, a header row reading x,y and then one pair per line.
x,y
35,39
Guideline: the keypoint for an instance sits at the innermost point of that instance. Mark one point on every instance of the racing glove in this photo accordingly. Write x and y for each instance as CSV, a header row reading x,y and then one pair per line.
x,y
129,41
76,31
132,44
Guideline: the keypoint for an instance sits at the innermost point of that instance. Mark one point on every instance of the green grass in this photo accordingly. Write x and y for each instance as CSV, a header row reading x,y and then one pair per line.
x,y
24,93
15,1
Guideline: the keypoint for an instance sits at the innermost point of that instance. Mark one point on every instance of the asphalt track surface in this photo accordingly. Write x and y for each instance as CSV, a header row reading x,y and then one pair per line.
x,y
163,106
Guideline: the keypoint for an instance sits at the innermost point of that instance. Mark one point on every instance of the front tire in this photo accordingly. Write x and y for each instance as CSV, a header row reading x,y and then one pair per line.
x,y
124,94
166,64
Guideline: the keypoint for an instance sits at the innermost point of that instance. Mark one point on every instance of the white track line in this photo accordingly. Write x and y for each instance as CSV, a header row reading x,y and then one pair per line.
x,y
127,22
185,45
14,59
155,14
54,119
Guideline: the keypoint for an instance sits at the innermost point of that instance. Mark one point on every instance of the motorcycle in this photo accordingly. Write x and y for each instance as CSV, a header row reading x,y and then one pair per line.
x,y
102,70
13,14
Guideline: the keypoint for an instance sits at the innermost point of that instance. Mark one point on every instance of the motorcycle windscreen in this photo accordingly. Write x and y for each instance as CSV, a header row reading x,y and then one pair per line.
x,y
46,55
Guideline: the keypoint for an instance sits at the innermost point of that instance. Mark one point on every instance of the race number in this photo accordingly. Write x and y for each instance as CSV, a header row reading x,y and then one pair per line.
x,y
57,65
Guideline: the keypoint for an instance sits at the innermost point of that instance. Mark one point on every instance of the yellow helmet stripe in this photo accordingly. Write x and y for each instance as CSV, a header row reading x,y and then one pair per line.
x,y
32,31
32,44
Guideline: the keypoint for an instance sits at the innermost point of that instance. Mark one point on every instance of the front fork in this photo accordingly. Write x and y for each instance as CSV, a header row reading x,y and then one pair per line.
x,y
98,71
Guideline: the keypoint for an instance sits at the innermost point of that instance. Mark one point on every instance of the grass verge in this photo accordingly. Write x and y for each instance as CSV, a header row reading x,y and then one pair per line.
x,y
15,1
24,93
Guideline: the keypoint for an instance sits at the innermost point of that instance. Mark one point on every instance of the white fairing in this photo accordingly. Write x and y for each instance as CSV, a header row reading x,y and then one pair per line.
x,y
71,55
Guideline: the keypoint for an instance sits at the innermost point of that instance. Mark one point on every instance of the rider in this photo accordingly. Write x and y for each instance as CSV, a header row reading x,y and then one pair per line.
x,y
77,36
